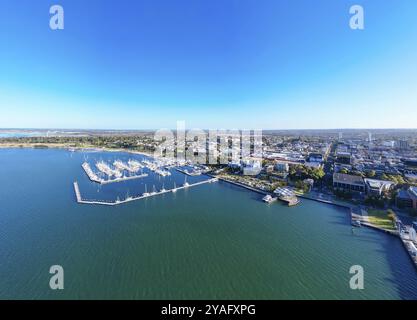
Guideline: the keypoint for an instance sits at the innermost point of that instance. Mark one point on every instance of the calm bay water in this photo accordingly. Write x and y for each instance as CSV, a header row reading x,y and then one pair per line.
x,y
208,242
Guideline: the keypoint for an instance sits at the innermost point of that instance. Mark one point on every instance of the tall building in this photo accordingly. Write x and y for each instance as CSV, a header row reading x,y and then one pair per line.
x,y
402,144
370,140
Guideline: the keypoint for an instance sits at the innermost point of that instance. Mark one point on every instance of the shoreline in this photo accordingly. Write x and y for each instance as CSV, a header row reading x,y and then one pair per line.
x,y
98,149
249,188
40,146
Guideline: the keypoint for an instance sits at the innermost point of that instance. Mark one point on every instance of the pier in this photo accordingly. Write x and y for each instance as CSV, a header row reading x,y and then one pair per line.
x,y
287,195
125,178
131,166
143,196
77,192
291,201
94,178
80,199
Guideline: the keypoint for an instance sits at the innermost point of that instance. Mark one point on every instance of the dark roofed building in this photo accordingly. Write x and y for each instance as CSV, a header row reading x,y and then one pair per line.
x,y
407,198
315,157
410,162
348,182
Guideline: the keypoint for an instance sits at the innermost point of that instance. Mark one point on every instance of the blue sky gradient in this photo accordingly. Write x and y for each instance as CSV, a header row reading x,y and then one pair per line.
x,y
268,64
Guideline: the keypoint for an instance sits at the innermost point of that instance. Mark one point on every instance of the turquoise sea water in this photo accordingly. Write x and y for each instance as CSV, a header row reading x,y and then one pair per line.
x,y
213,241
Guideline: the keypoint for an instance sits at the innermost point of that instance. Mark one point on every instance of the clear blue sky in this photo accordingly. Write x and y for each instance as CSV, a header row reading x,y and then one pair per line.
x,y
275,64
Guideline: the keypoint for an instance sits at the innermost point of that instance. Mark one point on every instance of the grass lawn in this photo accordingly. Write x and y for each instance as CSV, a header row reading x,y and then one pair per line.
x,y
299,191
380,219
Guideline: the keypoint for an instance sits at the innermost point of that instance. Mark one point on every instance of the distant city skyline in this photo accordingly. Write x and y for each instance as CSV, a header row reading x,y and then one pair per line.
x,y
189,126
272,65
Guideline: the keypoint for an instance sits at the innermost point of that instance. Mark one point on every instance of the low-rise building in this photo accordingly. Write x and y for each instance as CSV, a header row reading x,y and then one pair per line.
x,y
235,165
348,182
315,157
282,167
252,168
407,198
315,165
377,187
344,158
269,169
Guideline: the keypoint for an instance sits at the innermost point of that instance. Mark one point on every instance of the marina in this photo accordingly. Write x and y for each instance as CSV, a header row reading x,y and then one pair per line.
x,y
242,153
131,166
162,173
183,231
142,196
105,168
190,173
110,172
284,194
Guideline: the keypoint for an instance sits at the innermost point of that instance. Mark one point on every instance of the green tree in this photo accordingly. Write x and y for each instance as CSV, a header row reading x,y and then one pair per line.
x,y
371,174
391,215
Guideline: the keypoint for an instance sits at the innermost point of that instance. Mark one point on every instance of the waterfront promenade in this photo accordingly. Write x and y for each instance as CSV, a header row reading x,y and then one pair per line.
x,y
359,214
291,201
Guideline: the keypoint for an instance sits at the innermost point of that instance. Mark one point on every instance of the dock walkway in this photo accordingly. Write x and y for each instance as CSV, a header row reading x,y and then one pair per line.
x,y
130,199
188,173
94,178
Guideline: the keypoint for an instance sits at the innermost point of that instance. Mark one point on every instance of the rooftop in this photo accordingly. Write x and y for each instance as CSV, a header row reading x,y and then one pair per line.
x,y
348,178
413,191
374,183
403,194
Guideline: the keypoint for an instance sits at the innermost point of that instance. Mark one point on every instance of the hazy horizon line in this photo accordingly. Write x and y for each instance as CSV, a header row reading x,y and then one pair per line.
x,y
154,129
